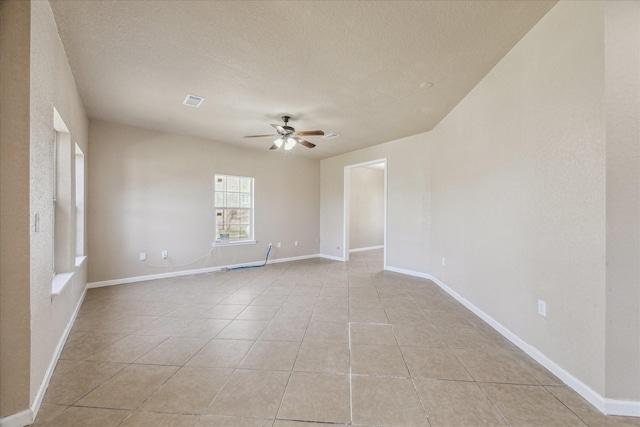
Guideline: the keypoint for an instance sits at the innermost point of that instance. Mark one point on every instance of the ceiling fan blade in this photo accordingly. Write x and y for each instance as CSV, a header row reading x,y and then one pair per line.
x,y
257,136
273,147
305,143
310,133
280,129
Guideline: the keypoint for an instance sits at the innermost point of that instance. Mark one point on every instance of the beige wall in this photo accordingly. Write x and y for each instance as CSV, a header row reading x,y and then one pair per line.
x,y
511,190
518,191
35,78
14,206
622,112
408,201
151,191
52,86
366,208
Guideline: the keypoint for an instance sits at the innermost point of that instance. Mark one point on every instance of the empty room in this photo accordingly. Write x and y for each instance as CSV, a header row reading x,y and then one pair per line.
x,y
319,213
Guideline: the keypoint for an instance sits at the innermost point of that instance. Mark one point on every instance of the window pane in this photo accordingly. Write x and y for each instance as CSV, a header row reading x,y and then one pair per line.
x,y
220,199
233,183
234,232
245,200
233,200
245,216
245,185
219,183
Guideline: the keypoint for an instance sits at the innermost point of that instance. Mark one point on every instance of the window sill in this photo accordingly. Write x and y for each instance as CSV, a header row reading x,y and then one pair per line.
x,y
59,282
80,260
238,243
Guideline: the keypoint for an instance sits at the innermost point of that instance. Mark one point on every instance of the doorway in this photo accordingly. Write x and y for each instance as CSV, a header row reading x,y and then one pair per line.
x,y
365,207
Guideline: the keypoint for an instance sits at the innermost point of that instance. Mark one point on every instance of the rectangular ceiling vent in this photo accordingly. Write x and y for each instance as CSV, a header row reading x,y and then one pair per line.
x,y
330,136
193,100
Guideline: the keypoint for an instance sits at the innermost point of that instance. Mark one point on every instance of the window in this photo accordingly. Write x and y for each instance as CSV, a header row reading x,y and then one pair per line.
x,y
62,215
234,208
79,202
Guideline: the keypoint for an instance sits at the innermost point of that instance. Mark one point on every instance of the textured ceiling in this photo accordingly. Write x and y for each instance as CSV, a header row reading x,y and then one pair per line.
x,y
371,71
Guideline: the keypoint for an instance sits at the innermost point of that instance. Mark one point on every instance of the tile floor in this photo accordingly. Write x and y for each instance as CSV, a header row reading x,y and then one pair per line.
x,y
308,343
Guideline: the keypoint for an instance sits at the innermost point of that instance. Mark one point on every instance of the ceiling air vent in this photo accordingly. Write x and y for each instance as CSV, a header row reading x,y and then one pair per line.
x,y
193,100
330,136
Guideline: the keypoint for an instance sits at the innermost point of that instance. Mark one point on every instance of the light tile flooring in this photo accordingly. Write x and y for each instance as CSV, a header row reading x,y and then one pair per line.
x,y
308,343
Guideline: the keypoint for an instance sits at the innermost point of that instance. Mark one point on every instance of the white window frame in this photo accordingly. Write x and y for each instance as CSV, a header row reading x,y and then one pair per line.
x,y
250,239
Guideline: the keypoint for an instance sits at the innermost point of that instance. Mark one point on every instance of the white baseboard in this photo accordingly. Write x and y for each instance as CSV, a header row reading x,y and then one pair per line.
x,y
28,416
370,248
144,278
409,272
622,407
331,257
20,419
35,406
604,405
191,272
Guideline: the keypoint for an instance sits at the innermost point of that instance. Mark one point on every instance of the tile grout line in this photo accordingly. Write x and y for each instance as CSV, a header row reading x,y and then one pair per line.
x,y
415,388
229,377
350,376
275,417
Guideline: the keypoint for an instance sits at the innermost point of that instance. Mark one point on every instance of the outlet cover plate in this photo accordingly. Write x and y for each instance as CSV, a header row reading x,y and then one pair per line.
x,y
542,308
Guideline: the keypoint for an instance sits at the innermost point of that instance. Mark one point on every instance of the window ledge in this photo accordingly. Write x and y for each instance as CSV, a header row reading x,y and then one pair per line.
x,y
60,281
238,243
80,260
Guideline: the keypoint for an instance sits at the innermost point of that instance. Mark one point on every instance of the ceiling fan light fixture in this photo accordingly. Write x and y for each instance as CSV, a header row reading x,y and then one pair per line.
x,y
278,142
289,144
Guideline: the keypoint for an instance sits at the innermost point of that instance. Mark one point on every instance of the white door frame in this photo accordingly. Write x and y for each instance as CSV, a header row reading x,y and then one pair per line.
x,y
345,219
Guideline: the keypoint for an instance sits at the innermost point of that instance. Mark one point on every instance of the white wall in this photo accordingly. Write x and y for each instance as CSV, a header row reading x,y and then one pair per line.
x,y
366,208
511,189
152,191
52,86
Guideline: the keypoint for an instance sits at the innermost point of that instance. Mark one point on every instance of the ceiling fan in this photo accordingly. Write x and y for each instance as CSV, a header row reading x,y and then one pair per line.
x,y
288,137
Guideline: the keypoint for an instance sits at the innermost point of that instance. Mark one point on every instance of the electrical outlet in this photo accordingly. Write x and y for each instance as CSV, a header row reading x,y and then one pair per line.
x,y
278,245
443,261
165,254
295,243
143,256
542,308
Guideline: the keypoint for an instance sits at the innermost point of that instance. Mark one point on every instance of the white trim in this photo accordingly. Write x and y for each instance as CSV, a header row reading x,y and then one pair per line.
x,y
21,419
37,401
192,272
628,408
59,282
271,261
80,260
409,272
135,279
219,244
606,406
345,205
331,257
370,248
